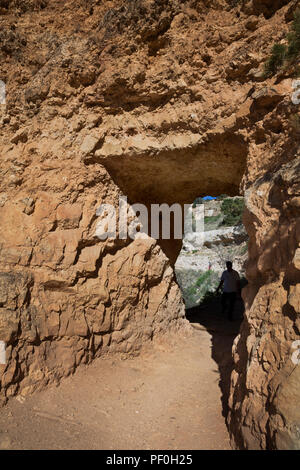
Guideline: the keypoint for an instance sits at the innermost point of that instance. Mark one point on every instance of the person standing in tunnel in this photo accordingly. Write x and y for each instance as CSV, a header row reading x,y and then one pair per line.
x,y
230,280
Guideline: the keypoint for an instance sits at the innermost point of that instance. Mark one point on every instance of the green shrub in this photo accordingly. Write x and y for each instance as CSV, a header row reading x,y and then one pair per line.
x,y
212,219
276,60
233,211
281,53
203,278
194,289
294,37
190,292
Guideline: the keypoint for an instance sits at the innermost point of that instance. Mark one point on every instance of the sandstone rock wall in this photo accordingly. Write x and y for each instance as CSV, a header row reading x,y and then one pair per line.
x,y
160,101
265,382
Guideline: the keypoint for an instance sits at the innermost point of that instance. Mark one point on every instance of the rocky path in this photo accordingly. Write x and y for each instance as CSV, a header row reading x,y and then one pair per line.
x,y
170,397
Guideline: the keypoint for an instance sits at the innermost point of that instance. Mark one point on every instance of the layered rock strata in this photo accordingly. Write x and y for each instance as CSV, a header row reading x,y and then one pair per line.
x,y
161,101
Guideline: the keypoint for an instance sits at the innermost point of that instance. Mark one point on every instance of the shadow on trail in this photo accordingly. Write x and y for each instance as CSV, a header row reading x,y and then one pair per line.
x,y
223,333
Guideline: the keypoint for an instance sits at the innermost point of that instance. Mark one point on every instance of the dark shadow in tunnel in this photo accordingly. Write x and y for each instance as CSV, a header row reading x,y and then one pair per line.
x,y
223,332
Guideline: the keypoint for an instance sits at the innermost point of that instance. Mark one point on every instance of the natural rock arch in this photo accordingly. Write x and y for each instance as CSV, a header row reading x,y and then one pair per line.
x,y
175,172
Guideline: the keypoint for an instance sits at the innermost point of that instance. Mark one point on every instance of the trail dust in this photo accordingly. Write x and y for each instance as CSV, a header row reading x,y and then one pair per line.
x,y
172,396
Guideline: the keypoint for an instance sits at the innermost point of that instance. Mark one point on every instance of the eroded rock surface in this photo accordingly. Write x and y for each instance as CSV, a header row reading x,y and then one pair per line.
x,y
265,382
161,101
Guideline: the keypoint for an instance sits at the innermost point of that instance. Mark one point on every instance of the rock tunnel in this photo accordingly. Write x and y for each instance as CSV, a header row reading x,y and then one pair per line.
x,y
176,173
73,296
162,103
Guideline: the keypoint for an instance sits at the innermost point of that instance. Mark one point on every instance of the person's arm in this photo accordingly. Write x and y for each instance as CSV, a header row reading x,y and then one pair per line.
x,y
219,286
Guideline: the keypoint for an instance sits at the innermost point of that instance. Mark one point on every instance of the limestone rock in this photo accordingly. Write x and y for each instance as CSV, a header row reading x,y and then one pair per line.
x,y
176,112
272,311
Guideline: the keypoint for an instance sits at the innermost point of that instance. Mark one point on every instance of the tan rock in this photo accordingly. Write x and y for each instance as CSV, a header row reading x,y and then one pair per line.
x,y
89,144
158,104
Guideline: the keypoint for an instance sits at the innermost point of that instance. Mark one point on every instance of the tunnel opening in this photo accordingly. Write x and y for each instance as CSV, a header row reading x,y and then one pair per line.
x,y
122,293
180,173
220,238
176,170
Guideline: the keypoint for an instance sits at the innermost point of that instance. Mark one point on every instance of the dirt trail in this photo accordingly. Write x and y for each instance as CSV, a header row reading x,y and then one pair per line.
x,y
173,396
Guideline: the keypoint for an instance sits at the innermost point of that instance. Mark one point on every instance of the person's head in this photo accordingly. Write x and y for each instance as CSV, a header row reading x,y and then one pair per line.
x,y
229,265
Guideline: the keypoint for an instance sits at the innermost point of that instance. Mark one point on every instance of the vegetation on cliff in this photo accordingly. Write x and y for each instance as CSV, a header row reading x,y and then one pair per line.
x,y
285,54
231,214
232,209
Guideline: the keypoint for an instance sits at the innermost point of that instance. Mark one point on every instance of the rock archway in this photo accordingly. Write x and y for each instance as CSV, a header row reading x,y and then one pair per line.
x,y
175,170
178,168
160,101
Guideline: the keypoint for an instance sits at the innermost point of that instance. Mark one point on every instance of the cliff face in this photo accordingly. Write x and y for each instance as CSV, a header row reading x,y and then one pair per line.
x,y
160,101
265,382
